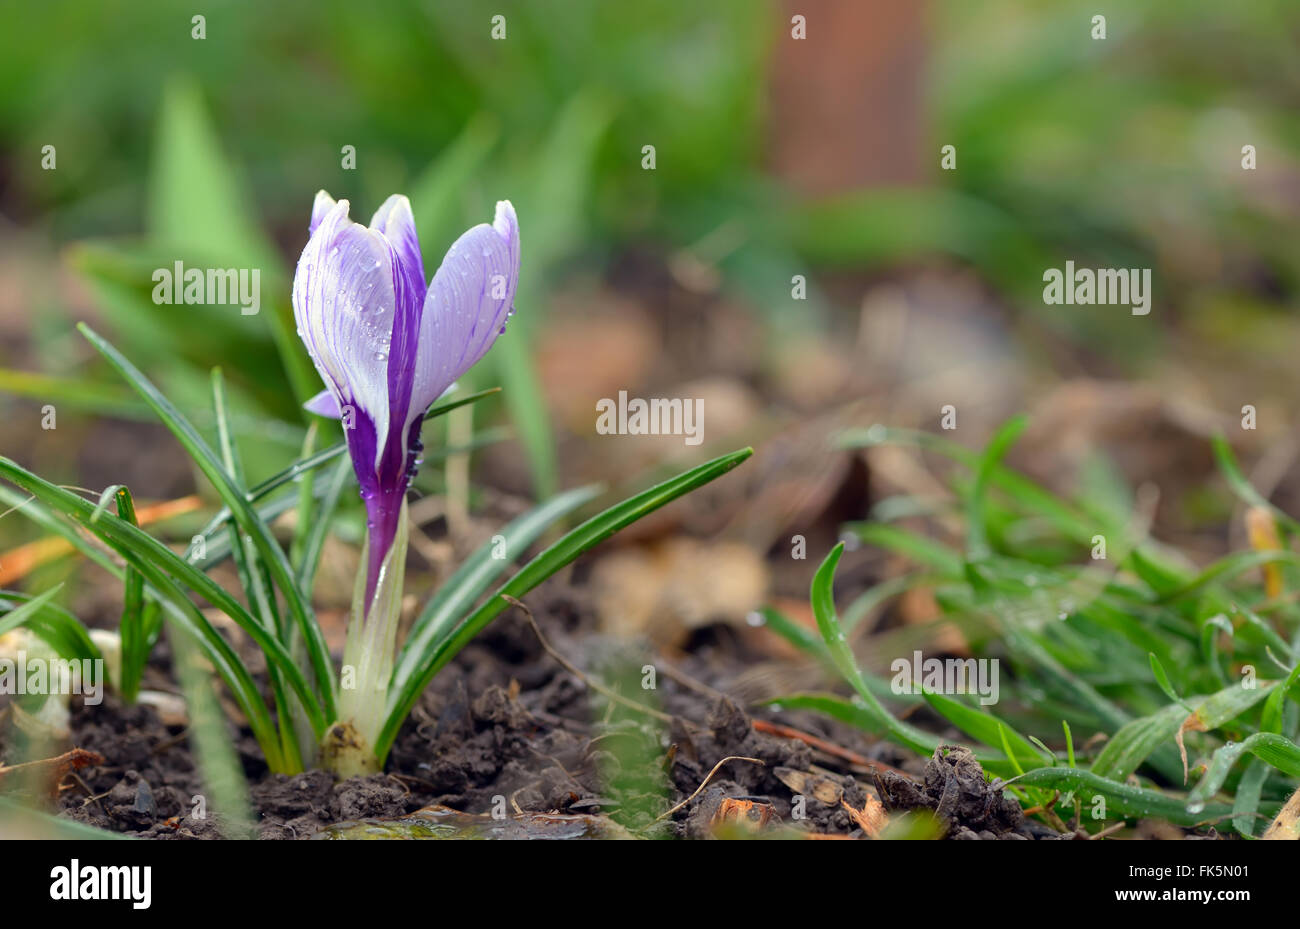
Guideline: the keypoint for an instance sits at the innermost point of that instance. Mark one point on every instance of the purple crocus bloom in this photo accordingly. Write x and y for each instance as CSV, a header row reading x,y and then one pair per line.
x,y
387,344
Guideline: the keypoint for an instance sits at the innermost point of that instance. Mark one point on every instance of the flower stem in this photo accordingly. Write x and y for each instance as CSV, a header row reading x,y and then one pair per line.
x,y
349,745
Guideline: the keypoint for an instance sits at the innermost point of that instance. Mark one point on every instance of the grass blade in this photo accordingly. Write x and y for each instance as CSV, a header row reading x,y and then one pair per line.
x,y
159,565
244,514
1122,800
1273,749
131,627
823,604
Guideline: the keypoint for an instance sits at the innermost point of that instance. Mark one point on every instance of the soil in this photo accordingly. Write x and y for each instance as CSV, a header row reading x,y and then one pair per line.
x,y
505,729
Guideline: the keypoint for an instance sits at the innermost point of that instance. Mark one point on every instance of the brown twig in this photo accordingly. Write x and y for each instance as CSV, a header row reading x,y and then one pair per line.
x,y
704,783
830,748
1109,830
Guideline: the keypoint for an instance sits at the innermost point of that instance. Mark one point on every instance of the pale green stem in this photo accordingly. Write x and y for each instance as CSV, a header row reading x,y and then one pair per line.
x,y
368,655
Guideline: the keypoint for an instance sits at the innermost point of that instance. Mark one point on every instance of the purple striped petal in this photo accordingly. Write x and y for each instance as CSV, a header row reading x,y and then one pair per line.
x,y
319,210
345,298
324,404
395,220
401,440
468,303
343,303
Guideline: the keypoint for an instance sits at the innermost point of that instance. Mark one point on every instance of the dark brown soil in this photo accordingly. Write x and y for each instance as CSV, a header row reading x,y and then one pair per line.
x,y
968,805
505,728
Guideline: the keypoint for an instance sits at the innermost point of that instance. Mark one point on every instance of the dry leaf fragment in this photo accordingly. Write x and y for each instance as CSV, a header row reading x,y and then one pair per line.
x,y
809,784
54,770
871,819
1287,824
1262,532
1193,723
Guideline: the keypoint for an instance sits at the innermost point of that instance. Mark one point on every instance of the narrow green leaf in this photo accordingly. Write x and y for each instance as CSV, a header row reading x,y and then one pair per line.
x,y
473,577
131,630
1123,800
304,465
1163,680
314,542
24,614
244,514
985,727
1243,488
797,635
54,625
934,555
977,543
159,565
1273,749
1141,737
868,720
19,821
823,605
1271,720
589,534
1245,804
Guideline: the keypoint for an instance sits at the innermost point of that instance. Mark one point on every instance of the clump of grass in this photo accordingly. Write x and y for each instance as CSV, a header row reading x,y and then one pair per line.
x,y
1186,675
303,683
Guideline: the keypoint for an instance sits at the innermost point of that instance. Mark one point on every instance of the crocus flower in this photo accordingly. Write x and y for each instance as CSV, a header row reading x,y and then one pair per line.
x,y
387,344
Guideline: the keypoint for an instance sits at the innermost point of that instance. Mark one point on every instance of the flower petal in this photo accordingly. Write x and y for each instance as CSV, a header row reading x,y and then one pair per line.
x,y
319,210
467,305
395,220
324,404
343,300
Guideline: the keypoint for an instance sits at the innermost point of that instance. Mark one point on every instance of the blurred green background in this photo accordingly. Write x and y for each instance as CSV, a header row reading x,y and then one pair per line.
x,y
775,157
